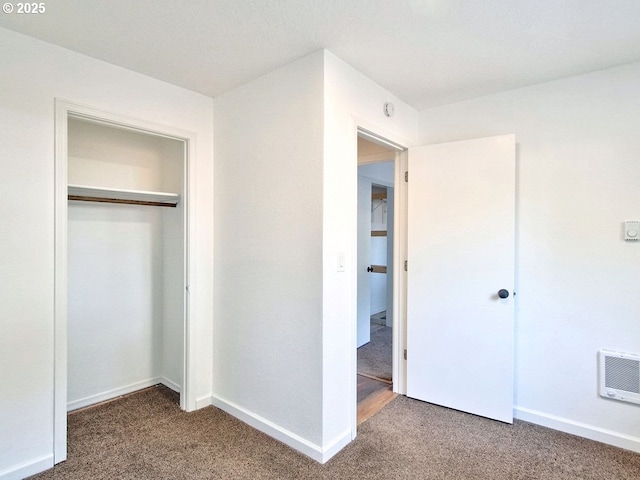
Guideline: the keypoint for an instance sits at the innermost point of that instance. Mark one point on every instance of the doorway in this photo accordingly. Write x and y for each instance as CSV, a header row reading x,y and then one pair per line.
x,y
484,169
121,264
376,172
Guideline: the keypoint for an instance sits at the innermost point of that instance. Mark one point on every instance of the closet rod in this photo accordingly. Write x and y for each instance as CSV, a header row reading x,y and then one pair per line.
x,y
115,195
119,200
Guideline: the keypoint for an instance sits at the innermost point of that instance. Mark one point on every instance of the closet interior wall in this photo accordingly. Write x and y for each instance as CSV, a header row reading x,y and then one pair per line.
x,y
126,265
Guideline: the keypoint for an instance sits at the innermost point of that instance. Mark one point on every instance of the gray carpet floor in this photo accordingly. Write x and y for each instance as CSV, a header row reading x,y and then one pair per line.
x,y
374,358
146,436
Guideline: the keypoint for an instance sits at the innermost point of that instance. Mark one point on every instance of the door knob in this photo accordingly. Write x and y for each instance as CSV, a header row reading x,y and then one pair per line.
x,y
503,293
369,268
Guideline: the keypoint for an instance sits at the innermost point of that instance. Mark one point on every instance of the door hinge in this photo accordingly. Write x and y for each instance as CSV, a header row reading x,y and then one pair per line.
x,y
405,266
405,353
406,176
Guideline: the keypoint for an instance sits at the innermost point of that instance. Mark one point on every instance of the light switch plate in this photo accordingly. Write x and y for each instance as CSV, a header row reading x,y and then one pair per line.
x,y
632,230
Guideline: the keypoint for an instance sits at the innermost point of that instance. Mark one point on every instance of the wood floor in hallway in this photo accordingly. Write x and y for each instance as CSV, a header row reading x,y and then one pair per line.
x,y
372,396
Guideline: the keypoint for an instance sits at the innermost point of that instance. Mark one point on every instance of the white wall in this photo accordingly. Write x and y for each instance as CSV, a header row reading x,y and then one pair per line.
x,y
173,301
578,179
268,248
114,338
351,100
363,330
34,74
126,266
285,209
380,173
378,300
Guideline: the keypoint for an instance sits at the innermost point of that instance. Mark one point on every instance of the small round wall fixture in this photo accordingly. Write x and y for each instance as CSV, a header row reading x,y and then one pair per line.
x,y
389,109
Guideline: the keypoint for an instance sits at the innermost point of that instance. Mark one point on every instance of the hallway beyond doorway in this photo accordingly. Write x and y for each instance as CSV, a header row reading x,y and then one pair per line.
x,y
375,357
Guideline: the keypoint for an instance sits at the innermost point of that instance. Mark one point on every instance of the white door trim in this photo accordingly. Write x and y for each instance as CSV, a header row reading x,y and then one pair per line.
x,y
63,110
400,274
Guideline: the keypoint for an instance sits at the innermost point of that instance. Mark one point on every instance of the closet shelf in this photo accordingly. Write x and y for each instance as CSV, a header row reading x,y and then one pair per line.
x,y
115,195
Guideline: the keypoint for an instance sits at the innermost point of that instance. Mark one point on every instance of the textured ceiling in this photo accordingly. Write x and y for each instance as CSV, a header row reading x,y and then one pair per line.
x,y
427,52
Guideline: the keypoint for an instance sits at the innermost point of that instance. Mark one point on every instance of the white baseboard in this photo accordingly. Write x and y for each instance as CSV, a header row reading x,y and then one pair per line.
x,y
317,453
26,469
117,392
336,445
577,428
203,402
169,384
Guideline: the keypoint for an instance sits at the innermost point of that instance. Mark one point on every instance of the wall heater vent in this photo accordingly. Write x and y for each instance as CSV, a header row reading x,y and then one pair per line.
x,y
619,376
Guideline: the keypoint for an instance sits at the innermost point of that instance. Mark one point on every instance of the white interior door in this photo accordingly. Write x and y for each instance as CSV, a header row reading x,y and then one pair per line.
x,y
461,227
364,254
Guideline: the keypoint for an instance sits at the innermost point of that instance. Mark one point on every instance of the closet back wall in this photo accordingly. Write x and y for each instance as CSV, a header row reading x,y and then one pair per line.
x,y
126,266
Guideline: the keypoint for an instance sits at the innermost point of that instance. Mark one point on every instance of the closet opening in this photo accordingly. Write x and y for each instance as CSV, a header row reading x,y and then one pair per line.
x,y
121,263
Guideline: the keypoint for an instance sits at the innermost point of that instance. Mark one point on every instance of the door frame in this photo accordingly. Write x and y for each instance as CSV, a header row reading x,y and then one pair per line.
x,y
379,136
65,109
